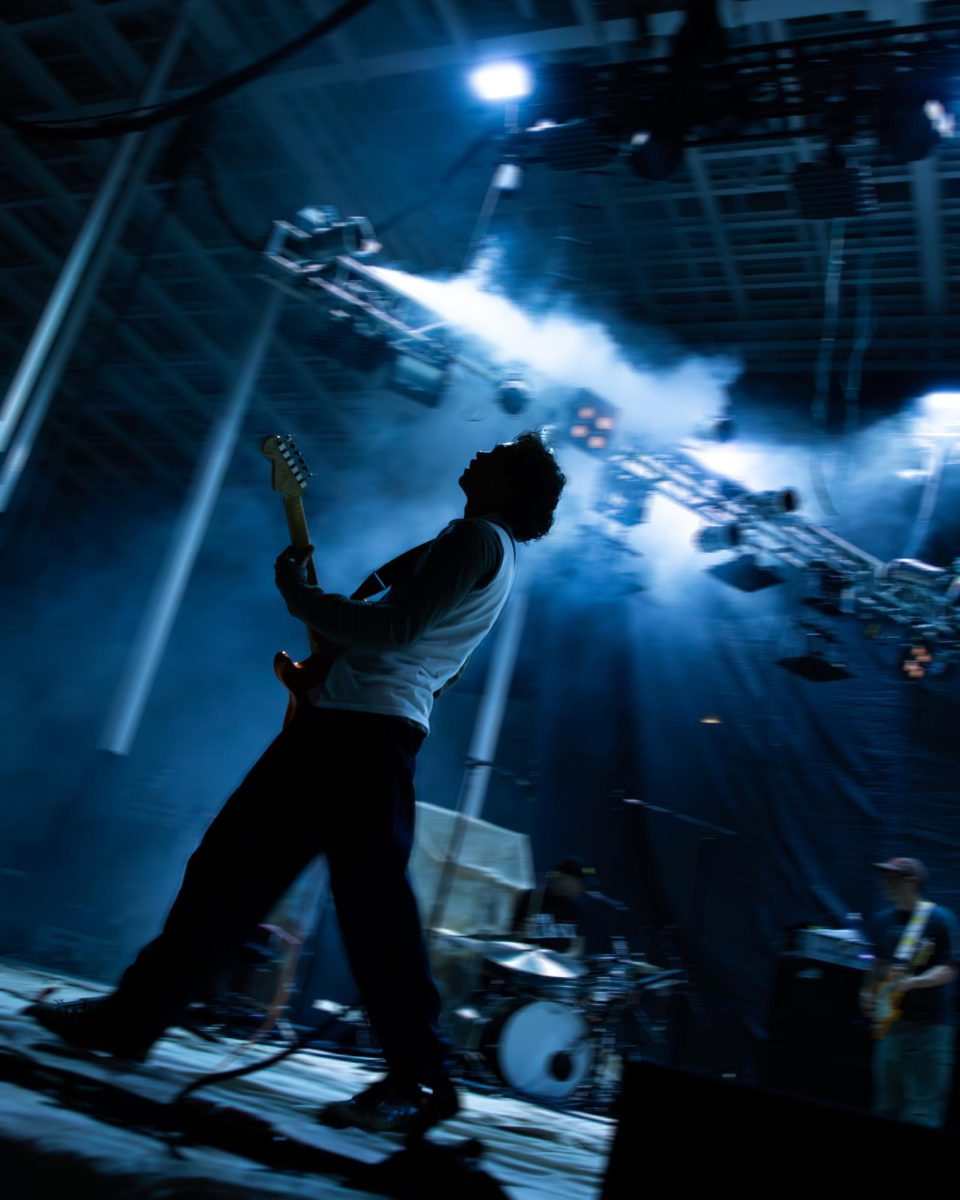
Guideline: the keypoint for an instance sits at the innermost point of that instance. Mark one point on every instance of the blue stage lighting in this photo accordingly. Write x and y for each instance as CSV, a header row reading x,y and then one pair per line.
x,y
939,415
501,81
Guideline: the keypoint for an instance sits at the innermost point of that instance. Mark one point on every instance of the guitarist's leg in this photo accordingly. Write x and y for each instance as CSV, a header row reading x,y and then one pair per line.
x,y
264,836
888,1094
928,1073
370,842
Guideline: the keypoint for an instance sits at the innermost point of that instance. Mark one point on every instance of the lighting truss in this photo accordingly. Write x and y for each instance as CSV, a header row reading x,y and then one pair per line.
x,y
924,597
356,295
871,81
904,591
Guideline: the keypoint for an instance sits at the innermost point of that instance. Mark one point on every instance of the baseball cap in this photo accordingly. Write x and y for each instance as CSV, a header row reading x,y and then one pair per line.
x,y
911,868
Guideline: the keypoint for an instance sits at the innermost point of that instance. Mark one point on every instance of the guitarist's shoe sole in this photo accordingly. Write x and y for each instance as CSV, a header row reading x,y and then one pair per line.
x,y
90,1024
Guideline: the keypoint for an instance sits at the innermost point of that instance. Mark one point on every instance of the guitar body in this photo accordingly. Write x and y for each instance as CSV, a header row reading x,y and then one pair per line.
x,y
888,993
299,678
888,1004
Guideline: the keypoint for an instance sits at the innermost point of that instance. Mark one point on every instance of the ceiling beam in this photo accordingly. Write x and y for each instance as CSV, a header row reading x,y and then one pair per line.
x,y
701,181
928,211
435,58
455,26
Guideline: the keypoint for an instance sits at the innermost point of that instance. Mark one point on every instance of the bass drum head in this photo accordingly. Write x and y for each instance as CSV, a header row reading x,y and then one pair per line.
x,y
542,1049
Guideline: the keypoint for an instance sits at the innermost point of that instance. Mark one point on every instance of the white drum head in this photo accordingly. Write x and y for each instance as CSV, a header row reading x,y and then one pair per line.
x,y
544,1050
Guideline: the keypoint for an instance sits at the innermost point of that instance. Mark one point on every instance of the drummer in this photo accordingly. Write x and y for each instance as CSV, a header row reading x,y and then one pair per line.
x,y
553,914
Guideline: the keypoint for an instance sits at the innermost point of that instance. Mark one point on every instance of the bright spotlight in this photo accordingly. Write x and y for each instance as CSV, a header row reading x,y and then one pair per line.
x,y
941,406
937,418
501,81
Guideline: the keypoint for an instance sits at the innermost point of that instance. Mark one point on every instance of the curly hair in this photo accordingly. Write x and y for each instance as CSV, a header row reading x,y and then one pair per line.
x,y
535,483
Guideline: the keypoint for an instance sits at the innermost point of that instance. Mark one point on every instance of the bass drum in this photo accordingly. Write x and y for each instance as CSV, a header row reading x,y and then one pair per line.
x,y
540,1048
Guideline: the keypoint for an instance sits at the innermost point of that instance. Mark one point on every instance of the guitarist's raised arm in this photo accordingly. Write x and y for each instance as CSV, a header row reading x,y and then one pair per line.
x,y
465,554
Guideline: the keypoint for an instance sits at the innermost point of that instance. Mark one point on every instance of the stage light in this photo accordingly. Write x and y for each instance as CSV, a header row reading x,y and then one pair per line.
x,y
910,572
711,538
508,177
772,504
819,663
830,590
514,395
939,415
419,379
501,81
316,237
944,122
909,129
591,422
721,428
918,660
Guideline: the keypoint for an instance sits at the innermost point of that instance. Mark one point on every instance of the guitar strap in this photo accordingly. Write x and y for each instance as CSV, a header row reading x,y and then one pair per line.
x,y
907,946
389,573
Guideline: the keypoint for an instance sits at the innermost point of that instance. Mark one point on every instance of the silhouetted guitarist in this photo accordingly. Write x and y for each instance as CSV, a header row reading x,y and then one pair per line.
x,y
339,780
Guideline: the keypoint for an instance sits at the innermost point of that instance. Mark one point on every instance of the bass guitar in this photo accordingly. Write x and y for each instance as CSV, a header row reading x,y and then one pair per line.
x,y
289,477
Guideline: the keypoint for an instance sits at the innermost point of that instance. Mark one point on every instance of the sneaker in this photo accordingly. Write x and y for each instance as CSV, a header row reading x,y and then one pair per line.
x,y
90,1025
441,1101
392,1105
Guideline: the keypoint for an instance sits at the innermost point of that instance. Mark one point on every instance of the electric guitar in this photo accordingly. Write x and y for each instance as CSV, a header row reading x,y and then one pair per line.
x,y
289,478
888,994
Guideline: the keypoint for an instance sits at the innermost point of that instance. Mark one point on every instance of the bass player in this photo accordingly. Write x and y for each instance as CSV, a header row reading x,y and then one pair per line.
x,y
909,999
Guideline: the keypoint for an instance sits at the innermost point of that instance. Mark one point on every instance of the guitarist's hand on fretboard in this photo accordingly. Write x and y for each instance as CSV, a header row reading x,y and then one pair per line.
x,y
289,570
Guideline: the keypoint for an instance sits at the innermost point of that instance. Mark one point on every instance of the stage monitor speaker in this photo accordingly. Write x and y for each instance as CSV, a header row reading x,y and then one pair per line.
x,y
679,1129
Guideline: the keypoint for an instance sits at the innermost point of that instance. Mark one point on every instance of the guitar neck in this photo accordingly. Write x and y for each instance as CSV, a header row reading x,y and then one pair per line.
x,y
300,537
299,534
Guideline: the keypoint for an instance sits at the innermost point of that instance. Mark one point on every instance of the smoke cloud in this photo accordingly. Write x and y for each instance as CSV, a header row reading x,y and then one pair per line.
x,y
657,403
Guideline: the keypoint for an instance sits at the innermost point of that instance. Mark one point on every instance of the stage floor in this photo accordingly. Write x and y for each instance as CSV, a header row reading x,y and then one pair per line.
x,y
106,1130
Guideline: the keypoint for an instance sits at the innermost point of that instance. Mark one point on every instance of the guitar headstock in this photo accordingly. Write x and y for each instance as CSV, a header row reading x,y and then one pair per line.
x,y
290,473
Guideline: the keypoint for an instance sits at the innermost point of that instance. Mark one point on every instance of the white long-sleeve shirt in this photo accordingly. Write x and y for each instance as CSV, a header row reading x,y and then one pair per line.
x,y
401,649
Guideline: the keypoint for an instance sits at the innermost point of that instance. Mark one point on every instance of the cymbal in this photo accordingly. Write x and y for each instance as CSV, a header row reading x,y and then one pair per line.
x,y
535,961
642,967
467,943
633,965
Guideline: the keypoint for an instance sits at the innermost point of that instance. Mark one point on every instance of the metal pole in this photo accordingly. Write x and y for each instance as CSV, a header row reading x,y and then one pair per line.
x,y
51,371
88,243
161,612
493,702
483,743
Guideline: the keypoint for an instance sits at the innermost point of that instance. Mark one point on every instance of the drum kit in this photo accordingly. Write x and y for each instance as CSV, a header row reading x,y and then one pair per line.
x,y
553,1027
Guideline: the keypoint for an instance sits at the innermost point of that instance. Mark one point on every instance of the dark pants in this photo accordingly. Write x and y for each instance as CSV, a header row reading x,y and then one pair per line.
x,y
337,783
913,1071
